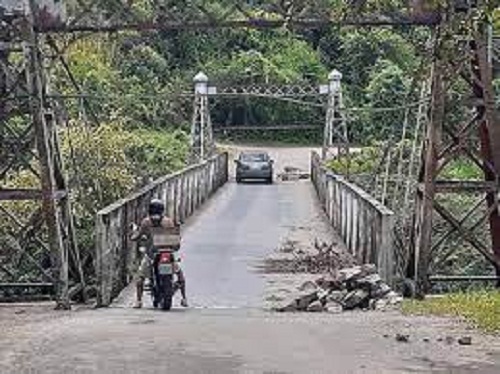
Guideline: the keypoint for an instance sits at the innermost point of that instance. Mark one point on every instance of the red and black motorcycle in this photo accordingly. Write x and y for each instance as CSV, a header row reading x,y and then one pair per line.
x,y
163,285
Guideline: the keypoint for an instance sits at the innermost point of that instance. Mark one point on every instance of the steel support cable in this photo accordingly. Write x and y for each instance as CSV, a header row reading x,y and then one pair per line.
x,y
402,216
406,120
286,99
386,176
84,106
58,107
385,162
386,157
416,148
403,187
399,167
72,78
406,214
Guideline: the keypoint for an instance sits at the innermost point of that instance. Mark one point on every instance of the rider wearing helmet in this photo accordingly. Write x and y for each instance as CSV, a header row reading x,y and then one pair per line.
x,y
155,228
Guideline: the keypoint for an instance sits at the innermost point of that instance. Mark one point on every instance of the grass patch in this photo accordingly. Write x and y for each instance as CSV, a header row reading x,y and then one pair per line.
x,y
480,308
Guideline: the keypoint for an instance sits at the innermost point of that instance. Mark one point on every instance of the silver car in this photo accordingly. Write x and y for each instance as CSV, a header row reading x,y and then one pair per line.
x,y
254,165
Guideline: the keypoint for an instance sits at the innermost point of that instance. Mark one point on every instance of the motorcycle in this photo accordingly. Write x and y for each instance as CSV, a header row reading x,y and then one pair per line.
x,y
161,283
163,286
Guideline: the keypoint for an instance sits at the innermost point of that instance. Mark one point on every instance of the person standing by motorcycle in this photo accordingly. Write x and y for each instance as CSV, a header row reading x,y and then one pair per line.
x,y
155,228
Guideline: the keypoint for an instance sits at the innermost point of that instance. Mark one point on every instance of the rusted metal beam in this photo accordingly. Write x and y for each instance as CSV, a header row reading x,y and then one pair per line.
x,y
464,278
32,145
26,285
29,194
466,234
489,133
458,186
426,196
452,230
463,59
46,161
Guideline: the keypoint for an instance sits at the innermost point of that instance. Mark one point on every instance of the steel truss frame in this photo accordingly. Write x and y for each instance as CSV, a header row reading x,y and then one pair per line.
x,y
335,127
272,90
39,245
116,15
462,58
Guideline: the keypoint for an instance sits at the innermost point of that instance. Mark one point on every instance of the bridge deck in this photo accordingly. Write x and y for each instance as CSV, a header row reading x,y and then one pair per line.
x,y
237,229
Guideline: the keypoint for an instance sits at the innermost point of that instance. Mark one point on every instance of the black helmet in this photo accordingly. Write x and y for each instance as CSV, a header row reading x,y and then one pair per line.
x,y
156,208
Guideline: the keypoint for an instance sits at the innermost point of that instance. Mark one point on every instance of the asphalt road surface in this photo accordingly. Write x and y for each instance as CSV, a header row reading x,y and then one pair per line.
x,y
239,341
226,330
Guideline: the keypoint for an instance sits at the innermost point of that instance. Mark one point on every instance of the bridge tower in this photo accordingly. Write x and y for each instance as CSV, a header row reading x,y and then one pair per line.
x,y
202,140
37,234
335,131
462,58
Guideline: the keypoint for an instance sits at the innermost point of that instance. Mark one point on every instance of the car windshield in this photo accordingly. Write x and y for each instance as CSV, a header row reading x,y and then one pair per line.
x,y
254,157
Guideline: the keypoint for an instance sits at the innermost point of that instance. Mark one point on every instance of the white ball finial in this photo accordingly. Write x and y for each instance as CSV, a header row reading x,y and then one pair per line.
x,y
200,78
335,75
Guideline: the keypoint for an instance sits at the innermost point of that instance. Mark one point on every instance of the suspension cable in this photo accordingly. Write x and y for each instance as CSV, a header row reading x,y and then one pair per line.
x,y
285,99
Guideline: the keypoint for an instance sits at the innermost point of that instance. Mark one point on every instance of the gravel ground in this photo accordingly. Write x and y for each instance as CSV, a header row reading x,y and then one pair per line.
x,y
241,341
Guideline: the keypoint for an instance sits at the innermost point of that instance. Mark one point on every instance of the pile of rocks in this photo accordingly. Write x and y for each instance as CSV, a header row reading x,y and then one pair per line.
x,y
358,287
323,258
291,173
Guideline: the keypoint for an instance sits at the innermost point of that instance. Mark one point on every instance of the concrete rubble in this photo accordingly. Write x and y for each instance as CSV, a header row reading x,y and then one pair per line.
x,y
356,287
291,173
321,258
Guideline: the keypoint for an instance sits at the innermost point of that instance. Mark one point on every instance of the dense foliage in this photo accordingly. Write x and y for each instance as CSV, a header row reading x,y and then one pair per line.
x,y
137,76
108,162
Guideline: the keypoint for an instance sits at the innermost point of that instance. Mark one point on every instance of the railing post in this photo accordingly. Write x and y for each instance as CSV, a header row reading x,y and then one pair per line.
x,y
365,225
386,258
99,258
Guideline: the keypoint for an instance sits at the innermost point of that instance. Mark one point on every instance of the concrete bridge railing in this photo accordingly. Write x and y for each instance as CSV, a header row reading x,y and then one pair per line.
x,y
183,192
365,225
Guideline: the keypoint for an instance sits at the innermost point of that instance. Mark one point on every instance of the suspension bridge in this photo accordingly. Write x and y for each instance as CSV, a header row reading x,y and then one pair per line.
x,y
393,224
401,216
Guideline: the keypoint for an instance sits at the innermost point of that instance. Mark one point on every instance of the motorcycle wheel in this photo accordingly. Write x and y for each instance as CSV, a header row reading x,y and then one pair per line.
x,y
155,298
154,292
165,286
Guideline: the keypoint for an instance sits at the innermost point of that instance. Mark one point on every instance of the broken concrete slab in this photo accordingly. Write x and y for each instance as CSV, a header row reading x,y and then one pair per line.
x,y
381,290
357,298
309,286
304,300
334,307
316,306
336,296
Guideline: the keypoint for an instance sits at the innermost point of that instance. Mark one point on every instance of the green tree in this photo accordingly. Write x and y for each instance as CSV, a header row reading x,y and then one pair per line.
x,y
388,88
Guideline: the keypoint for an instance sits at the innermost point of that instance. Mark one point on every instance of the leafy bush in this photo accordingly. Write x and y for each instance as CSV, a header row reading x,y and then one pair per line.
x,y
109,162
462,168
362,162
155,153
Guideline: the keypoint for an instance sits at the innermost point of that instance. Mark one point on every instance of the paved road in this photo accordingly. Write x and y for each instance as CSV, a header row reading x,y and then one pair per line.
x,y
239,341
239,228
222,244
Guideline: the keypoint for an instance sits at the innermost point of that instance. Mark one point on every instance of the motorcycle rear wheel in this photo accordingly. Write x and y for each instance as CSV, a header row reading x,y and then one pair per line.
x,y
165,291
